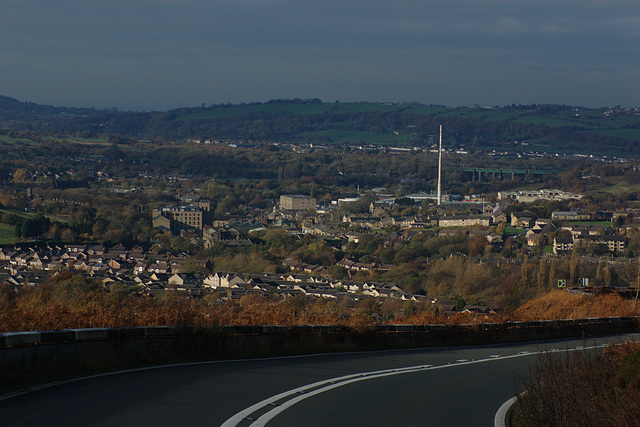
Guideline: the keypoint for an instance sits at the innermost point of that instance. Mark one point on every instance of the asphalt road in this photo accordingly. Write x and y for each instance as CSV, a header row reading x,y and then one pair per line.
x,y
453,386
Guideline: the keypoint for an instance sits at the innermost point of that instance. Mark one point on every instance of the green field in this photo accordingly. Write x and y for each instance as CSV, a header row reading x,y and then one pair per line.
x,y
622,126
26,215
241,110
7,234
95,140
482,113
550,121
511,231
21,214
631,134
360,108
294,108
16,141
425,111
343,136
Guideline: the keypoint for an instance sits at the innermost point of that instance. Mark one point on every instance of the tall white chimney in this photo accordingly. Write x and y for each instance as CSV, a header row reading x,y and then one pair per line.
x,y
440,169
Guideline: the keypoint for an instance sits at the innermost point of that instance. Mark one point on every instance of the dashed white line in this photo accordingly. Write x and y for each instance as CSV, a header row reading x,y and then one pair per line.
x,y
301,393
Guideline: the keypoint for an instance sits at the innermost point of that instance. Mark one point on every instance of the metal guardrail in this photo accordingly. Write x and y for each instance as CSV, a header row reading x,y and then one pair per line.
x,y
29,338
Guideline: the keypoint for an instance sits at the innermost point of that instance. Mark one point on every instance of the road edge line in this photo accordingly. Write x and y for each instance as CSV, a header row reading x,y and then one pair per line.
x,y
501,418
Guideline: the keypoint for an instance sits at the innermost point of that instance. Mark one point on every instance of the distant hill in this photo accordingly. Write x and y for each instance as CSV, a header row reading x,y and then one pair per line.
x,y
551,128
13,111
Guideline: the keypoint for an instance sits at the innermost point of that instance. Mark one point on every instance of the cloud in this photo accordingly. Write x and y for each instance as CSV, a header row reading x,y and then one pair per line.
x,y
555,29
120,52
509,25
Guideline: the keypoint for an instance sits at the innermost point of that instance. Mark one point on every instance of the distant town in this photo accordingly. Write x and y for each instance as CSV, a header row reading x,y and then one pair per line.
x,y
225,218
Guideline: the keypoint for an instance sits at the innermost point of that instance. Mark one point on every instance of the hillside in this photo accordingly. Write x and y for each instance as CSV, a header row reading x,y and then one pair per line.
x,y
544,128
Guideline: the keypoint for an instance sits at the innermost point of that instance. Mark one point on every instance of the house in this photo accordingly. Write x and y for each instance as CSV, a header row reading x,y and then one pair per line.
x,y
292,263
523,219
346,263
95,250
525,196
562,245
139,267
160,277
159,267
379,208
534,237
318,230
55,265
6,254
499,217
494,238
479,310
118,264
465,220
613,244
183,281
75,248
570,216
226,280
444,305
448,233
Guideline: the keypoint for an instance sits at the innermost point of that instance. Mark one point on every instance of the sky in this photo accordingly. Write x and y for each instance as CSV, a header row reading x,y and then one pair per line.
x,y
165,54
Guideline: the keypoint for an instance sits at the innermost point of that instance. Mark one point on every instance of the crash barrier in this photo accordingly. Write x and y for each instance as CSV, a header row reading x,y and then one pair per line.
x,y
522,330
100,349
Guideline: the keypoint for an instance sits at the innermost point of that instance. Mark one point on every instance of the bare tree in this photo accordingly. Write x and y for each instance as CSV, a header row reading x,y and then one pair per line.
x,y
630,273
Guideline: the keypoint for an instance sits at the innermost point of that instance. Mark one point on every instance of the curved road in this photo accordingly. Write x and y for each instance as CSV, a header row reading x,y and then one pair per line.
x,y
453,386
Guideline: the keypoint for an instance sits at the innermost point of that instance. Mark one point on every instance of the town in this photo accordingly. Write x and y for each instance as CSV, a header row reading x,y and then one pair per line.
x,y
355,223
344,213
154,273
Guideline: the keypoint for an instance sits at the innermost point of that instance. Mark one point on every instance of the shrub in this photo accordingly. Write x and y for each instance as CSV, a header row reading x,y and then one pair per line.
x,y
581,389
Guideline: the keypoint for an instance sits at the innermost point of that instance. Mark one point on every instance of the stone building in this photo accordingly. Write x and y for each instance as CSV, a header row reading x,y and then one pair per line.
x,y
296,202
178,218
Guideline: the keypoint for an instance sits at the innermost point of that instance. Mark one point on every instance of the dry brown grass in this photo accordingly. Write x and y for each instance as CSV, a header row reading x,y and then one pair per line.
x,y
564,305
69,301
583,389
75,302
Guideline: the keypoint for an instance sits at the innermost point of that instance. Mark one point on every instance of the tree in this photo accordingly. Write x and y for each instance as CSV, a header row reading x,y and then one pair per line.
x,y
20,175
553,273
630,273
607,275
524,271
574,266
635,300
543,269
477,246
600,273
36,226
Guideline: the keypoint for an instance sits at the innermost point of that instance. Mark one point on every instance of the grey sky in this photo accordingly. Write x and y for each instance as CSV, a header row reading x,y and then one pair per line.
x,y
161,54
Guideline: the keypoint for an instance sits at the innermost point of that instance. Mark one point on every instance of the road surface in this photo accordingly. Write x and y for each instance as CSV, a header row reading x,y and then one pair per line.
x,y
452,386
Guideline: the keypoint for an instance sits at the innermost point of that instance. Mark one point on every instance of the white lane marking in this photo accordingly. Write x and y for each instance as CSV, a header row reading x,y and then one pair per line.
x,y
233,421
349,379
500,419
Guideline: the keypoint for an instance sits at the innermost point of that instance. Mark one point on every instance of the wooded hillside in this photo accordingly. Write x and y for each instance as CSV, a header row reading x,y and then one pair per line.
x,y
549,128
